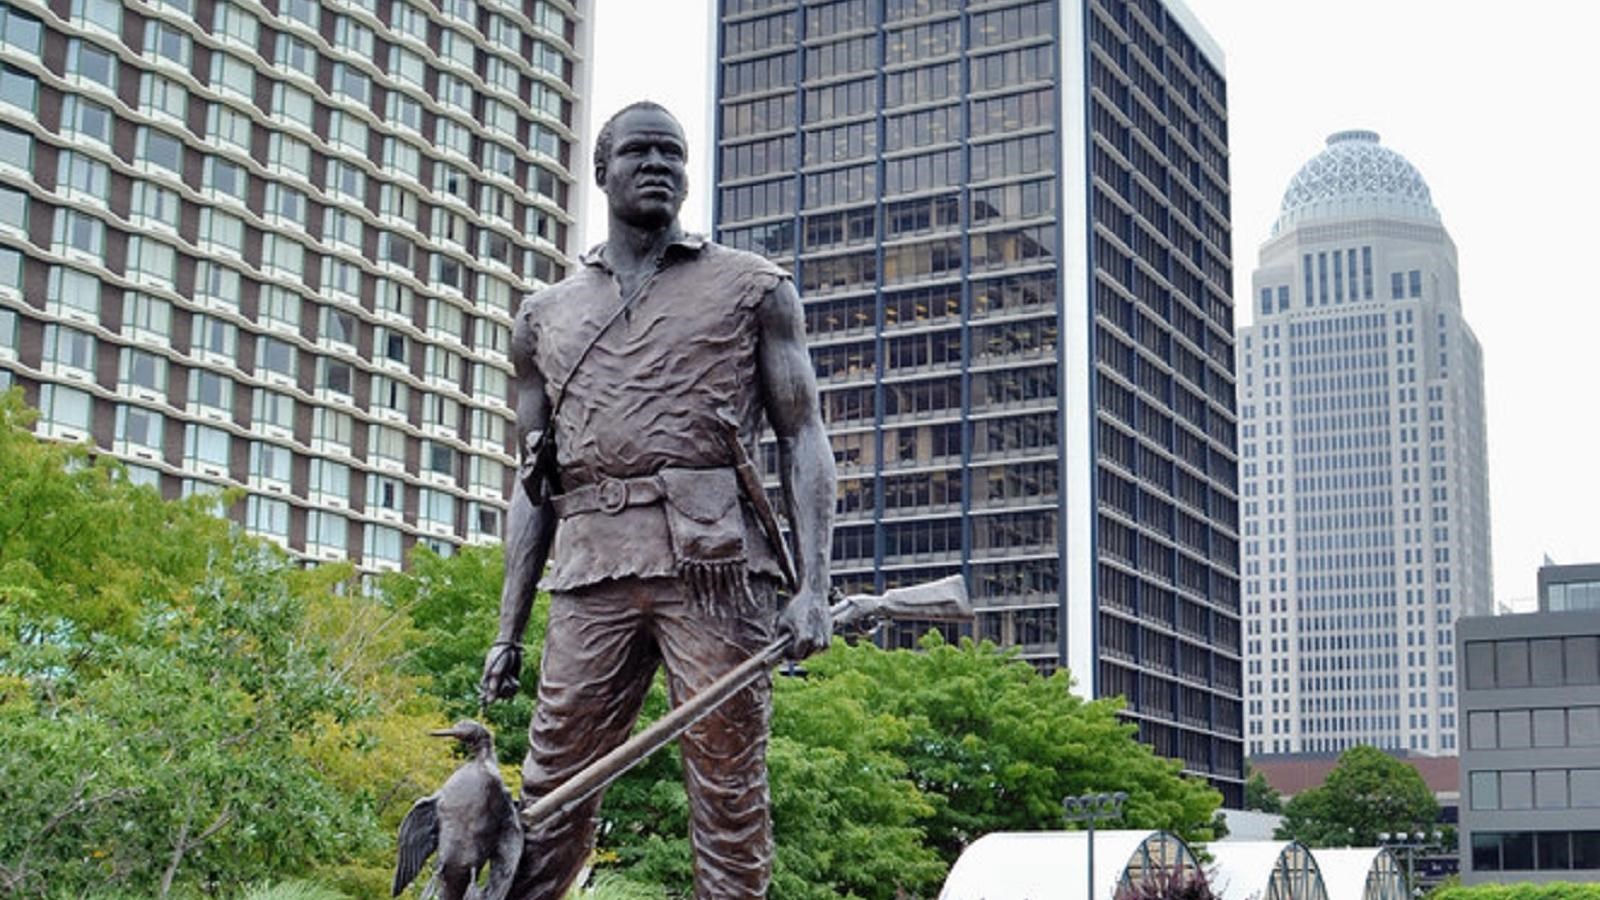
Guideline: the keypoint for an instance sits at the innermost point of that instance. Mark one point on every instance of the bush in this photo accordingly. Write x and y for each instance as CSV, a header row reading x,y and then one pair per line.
x,y
1551,890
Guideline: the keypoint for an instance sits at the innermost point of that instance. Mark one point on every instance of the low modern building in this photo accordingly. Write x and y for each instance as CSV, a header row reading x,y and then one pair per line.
x,y
1530,767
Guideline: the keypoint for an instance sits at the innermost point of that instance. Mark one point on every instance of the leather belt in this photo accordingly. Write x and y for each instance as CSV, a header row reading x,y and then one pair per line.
x,y
609,495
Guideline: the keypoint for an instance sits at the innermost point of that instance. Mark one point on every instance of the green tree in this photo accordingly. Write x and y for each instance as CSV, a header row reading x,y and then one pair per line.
x,y
997,747
180,707
454,606
1260,795
1367,793
886,764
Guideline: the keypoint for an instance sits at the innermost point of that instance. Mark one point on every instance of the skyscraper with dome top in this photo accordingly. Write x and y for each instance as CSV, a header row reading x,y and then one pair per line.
x,y
1363,454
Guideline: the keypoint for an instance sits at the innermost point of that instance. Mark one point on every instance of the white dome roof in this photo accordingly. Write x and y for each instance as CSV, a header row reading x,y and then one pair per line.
x,y
1355,177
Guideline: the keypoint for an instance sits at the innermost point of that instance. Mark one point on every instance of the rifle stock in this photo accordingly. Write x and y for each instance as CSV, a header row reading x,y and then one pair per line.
x,y
942,600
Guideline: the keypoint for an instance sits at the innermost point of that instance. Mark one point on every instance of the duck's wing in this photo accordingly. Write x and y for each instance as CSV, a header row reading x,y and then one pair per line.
x,y
507,851
419,837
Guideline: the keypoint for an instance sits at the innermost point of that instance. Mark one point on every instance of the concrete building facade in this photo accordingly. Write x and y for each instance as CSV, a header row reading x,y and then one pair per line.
x,y
1009,224
1530,764
277,246
1365,498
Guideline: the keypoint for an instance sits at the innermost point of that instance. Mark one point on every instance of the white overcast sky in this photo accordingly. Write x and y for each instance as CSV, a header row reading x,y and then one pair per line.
x,y
1494,105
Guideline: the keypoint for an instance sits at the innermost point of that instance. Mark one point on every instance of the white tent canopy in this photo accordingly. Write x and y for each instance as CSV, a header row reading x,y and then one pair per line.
x,y
1361,873
1053,865
1265,870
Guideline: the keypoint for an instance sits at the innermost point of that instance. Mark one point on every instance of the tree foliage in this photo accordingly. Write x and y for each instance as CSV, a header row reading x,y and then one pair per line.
x,y
180,708
886,764
1550,890
453,603
183,710
1367,793
1261,796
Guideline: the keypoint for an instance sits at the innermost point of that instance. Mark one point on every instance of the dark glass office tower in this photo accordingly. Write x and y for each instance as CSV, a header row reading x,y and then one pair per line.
x,y
1009,222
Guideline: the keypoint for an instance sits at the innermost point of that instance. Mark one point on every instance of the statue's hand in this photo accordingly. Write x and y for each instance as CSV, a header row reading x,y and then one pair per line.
x,y
807,618
501,670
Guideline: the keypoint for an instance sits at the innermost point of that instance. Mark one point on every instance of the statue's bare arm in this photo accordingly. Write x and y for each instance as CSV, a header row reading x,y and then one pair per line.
x,y
789,393
529,530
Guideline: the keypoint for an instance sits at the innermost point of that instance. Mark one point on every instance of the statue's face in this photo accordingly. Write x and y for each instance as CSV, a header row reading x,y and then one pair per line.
x,y
644,176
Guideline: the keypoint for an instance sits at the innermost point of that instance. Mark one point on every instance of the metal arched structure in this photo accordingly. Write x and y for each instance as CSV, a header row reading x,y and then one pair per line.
x,y
1362,873
1052,865
1265,870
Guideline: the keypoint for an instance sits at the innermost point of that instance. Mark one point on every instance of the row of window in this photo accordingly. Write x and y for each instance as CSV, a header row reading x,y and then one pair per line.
x,y
1536,789
1529,851
1540,662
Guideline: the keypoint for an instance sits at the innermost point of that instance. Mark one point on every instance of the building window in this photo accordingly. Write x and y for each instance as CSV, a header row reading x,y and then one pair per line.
x,y
80,232
89,64
232,21
382,545
269,463
82,175
386,446
221,232
103,14
385,494
69,291
232,75
335,377
160,150
272,408
64,408
330,479
286,203
211,391
331,431
82,118
20,30
206,447
338,326
138,429
275,356
228,179
267,517
1414,281
436,510
144,316
215,336
228,127
10,268
327,530
69,348
162,96
279,307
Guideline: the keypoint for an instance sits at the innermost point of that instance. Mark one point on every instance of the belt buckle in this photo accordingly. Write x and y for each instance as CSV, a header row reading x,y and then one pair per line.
x,y
612,496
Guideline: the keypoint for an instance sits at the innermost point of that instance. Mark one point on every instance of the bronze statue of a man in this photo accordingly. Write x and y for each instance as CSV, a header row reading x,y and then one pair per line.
x,y
651,369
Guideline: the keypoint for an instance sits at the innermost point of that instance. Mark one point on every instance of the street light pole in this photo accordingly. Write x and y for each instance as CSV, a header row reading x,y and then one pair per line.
x,y
1411,843
1090,808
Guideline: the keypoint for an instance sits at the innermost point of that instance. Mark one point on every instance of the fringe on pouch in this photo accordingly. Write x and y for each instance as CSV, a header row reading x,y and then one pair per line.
x,y
719,587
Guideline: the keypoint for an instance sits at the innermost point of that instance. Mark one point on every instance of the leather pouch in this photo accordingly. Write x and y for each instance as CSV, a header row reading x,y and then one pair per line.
x,y
707,530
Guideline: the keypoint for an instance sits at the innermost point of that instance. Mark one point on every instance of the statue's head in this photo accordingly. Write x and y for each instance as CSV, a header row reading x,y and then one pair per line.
x,y
640,159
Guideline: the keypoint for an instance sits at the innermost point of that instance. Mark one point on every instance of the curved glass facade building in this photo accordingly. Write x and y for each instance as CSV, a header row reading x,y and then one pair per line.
x,y
1009,225
276,246
1366,504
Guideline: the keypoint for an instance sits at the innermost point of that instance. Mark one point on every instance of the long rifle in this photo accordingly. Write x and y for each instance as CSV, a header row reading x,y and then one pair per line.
x,y
941,600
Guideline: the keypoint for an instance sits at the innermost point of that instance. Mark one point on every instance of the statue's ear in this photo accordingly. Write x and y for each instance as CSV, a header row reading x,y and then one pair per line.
x,y
600,175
